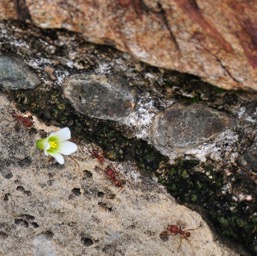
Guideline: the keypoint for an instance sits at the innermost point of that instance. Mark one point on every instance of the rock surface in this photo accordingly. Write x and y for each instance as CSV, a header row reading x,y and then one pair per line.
x,y
15,74
207,175
183,127
99,96
213,40
48,209
249,158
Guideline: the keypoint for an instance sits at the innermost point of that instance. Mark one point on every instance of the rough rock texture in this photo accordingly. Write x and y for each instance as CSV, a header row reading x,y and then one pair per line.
x,y
8,9
15,74
99,96
213,40
248,159
48,209
208,176
181,128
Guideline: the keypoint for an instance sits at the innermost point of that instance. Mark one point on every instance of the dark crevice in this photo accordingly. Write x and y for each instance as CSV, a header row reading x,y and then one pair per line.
x,y
23,10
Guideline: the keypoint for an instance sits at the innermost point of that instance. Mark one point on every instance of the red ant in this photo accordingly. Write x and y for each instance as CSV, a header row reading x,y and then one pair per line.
x,y
98,155
27,121
114,176
176,229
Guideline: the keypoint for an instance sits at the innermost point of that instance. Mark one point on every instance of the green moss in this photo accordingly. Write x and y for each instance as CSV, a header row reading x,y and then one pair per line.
x,y
223,222
218,89
194,198
234,220
56,110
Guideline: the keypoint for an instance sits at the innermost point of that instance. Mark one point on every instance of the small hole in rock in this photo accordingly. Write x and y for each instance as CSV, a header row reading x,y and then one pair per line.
x,y
24,162
100,194
20,188
51,175
34,225
87,241
7,174
27,217
50,182
76,191
3,235
32,131
6,196
28,193
21,222
48,234
87,174
105,206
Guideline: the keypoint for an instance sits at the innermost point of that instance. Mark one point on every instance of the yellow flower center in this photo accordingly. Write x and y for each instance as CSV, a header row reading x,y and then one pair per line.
x,y
53,144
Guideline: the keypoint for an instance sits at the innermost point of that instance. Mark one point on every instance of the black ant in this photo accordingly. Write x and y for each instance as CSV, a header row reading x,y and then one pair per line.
x,y
26,121
176,229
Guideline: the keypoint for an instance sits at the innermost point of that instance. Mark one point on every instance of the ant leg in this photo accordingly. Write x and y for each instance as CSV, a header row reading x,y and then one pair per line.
x,y
180,242
191,229
188,242
121,188
112,196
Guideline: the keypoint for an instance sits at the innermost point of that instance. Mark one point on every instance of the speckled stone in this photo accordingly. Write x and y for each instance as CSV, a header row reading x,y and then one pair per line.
x,y
99,96
183,127
249,157
15,74
213,40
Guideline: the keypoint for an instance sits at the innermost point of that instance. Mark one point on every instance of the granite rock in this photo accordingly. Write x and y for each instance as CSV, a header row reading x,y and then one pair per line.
x,y
213,40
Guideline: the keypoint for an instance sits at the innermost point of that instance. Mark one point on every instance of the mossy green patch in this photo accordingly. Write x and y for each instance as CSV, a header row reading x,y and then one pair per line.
x,y
232,219
56,110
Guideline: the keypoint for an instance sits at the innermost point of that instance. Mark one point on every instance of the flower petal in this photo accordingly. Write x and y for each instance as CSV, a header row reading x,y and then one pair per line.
x,y
58,157
67,147
63,134
45,151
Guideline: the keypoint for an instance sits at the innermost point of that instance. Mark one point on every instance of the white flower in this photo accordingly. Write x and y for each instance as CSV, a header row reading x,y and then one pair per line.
x,y
56,144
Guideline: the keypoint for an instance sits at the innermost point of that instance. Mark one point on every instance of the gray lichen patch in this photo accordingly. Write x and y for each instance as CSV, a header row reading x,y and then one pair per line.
x,y
99,96
183,127
15,74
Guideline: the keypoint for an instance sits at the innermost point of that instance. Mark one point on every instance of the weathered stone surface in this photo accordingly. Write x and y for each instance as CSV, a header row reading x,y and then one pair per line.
x,y
183,127
99,96
8,9
218,186
47,209
213,40
43,246
15,74
249,158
